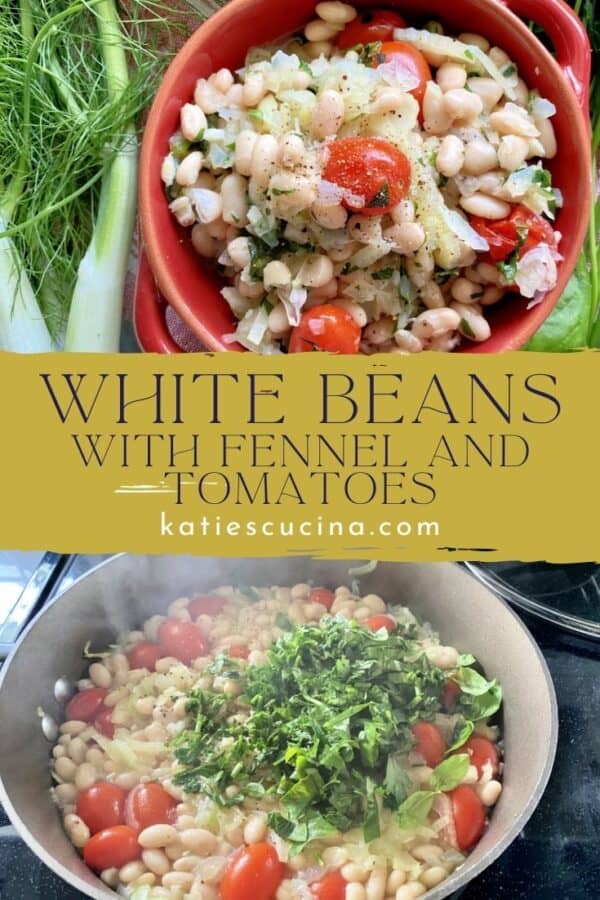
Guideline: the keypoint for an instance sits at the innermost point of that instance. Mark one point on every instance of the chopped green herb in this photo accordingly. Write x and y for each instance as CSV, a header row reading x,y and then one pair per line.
x,y
257,115
466,329
369,54
381,198
444,275
414,811
282,621
509,70
279,193
469,54
384,274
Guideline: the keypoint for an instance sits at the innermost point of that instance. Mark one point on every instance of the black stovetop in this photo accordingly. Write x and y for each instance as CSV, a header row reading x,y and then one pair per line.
x,y
556,857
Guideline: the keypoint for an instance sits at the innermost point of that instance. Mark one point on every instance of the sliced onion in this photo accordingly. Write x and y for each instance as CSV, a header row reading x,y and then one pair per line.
x,y
330,193
542,108
442,807
537,272
397,75
463,230
293,299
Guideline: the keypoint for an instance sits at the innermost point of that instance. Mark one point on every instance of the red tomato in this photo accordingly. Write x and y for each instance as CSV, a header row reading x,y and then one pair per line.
x,y
331,887
144,656
183,640
481,752
208,605
371,25
429,743
85,704
410,59
469,816
149,804
239,651
450,694
101,806
254,873
503,236
323,596
375,172
377,622
112,848
103,722
327,328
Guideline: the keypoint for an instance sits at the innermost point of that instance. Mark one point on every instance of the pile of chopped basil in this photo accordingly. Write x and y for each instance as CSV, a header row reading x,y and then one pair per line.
x,y
330,713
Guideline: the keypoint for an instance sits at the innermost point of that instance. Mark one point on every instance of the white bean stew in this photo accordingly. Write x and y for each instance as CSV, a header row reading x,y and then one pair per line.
x,y
278,744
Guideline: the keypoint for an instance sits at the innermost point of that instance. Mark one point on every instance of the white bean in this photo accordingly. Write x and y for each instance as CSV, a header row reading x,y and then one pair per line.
x,y
489,793
189,168
355,891
403,212
512,152
157,861
451,76
315,49
66,793
514,119
110,877
407,342
85,776
234,200
357,311
254,89
462,105
479,204
480,157
492,295
466,291
255,828
276,274
291,150
193,122
547,138
239,252
472,324
278,323
434,876
328,114
499,57
443,657
431,296
264,158
354,872
336,13
208,205
100,675
157,836
316,271
435,322
318,30
477,40
406,238
244,148
222,80
175,880
395,880
436,118
375,889
410,891
207,97
380,332
199,840
65,768
131,871
488,90
77,750
291,190
77,830
450,156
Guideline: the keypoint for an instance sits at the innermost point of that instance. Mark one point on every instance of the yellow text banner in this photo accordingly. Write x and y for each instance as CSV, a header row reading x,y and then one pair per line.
x,y
424,457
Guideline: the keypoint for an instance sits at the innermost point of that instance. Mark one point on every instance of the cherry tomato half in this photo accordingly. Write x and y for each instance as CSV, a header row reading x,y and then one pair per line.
x,y
238,651
325,327
209,605
103,722
503,236
149,804
481,752
183,640
86,704
377,622
450,694
410,59
254,873
112,848
330,887
323,596
370,26
101,806
429,743
373,171
469,816
144,656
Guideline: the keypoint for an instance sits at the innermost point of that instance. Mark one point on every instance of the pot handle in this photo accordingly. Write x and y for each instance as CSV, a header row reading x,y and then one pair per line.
x,y
570,39
149,310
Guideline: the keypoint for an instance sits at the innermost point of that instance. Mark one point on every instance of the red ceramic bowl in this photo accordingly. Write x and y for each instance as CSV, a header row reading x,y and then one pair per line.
x,y
189,284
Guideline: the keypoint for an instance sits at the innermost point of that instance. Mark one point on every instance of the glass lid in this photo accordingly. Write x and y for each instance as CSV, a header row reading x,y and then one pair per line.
x,y
565,595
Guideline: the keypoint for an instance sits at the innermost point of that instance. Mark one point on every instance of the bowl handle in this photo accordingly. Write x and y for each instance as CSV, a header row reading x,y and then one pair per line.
x,y
570,39
149,310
